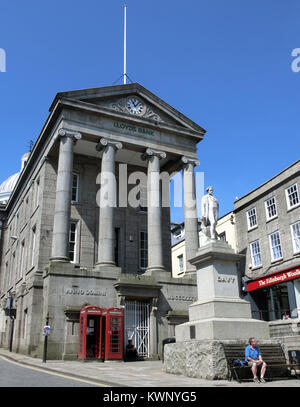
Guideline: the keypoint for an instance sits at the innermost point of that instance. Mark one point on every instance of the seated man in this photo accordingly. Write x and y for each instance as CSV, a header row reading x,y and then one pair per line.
x,y
254,359
131,352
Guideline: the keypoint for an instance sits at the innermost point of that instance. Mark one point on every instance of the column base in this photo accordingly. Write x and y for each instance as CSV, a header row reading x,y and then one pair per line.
x,y
105,264
59,260
154,269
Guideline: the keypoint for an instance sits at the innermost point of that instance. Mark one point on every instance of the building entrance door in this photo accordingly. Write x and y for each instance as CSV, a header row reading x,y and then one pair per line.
x,y
136,325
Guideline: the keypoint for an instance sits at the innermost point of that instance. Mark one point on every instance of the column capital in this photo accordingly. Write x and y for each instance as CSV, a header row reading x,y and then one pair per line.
x,y
104,142
189,160
75,135
150,152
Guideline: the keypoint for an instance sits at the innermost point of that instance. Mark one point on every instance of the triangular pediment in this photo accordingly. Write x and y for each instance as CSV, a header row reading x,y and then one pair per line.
x,y
133,100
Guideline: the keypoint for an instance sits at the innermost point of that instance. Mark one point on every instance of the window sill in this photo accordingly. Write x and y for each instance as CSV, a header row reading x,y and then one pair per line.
x,y
277,261
34,212
23,228
293,207
270,219
30,270
256,268
253,228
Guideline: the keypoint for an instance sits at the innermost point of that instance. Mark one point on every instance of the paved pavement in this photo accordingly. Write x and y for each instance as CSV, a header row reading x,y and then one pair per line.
x,y
17,375
117,374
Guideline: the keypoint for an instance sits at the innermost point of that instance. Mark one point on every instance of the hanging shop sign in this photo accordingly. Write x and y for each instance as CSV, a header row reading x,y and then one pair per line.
x,y
277,278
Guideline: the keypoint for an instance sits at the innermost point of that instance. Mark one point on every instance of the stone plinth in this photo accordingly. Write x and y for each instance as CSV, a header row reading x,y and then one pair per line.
x,y
204,359
219,313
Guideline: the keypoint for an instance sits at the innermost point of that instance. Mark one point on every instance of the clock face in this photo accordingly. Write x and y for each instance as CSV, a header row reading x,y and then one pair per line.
x,y
135,106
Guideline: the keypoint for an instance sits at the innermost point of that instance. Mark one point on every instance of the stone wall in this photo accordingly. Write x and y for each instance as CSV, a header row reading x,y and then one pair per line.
x,y
289,327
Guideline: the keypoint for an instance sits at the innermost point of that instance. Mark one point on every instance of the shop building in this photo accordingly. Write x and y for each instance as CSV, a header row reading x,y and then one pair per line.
x,y
268,234
62,250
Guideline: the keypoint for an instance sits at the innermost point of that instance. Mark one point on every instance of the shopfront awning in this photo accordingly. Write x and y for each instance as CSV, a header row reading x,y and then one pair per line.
x,y
276,278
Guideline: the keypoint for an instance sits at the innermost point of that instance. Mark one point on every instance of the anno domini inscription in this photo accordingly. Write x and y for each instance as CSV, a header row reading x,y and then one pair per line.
x,y
81,291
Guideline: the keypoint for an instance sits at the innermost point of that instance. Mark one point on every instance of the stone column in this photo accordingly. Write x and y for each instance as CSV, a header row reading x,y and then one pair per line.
x,y
190,211
107,204
155,248
61,227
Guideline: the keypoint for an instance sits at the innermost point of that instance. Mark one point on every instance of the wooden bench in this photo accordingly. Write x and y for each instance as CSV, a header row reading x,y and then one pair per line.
x,y
273,355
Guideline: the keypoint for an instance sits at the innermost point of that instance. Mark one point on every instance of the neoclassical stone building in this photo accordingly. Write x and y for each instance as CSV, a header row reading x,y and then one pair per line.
x,y
62,249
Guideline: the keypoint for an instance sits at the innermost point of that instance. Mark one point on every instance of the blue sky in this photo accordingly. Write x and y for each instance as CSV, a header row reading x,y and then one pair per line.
x,y
224,64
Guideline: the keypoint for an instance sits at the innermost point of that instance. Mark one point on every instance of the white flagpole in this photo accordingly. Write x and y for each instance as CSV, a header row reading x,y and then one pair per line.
x,y
125,9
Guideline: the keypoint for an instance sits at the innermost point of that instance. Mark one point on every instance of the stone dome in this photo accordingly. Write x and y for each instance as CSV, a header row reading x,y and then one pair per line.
x,y
8,185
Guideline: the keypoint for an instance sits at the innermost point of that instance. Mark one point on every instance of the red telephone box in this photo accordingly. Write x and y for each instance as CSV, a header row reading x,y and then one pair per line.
x,y
113,333
100,333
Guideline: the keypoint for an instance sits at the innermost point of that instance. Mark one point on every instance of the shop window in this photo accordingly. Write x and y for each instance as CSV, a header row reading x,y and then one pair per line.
x,y
295,229
255,253
252,218
272,302
275,246
292,196
271,208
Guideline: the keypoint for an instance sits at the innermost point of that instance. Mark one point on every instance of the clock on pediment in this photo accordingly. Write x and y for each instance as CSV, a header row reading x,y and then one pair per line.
x,y
135,105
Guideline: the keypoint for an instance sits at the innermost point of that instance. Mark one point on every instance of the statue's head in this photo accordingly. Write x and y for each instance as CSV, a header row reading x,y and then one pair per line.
x,y
209,190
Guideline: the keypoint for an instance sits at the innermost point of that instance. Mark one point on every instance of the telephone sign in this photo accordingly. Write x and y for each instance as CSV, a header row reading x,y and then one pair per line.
x,y
46,330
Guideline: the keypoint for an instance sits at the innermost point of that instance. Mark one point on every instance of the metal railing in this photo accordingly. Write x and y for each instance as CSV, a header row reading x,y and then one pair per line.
x,y
275,314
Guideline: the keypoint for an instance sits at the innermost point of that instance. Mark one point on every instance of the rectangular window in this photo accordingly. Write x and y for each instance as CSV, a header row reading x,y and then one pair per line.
x,y
37,193
6,275
292,196
180,263
222,236
252,218
75,187
25,323
275,245
13,272
295,228
271,209
178,234
22,255
33,242
143,250
255,253
72,242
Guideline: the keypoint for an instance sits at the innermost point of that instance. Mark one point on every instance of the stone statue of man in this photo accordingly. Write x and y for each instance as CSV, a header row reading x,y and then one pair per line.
x,y
210,212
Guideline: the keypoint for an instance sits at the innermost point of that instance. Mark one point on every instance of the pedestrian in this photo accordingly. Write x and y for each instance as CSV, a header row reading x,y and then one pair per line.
x,y
254,358
131,351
